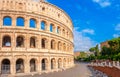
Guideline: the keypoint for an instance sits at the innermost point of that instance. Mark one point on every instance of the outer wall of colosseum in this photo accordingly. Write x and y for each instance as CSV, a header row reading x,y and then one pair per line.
x,y
35,37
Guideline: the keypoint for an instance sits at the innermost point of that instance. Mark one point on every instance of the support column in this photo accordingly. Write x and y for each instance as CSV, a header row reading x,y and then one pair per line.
x,y
0,41
39,66
13,66
14,21
38,24
49,65
48,26
27,66
1,20
27,22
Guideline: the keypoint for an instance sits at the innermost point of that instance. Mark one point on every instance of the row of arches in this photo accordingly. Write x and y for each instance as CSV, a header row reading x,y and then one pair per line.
x,y
33,42
45,64
20,21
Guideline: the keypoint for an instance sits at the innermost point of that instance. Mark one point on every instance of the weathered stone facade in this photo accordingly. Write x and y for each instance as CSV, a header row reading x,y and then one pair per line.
x,y
26,50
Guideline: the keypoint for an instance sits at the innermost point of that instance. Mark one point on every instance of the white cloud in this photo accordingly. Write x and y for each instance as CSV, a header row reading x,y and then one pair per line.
x,y
116,35
103,3
117,28
81,42
89,31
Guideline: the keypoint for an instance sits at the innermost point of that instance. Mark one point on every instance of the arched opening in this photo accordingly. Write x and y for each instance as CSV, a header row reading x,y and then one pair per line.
x,y
44,64
7,21
59,45
43,43
51,28
32,42
32,23
53,63
5,67
20,41
20,66
6,41
64,47
58,30
32,65
52,44
43,25
20,21
59,63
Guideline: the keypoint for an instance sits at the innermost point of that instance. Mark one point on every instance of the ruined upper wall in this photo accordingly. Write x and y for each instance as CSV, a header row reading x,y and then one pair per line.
x,y
39,7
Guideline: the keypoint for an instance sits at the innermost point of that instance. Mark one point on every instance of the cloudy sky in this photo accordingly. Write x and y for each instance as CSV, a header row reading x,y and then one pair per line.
x,y
94,21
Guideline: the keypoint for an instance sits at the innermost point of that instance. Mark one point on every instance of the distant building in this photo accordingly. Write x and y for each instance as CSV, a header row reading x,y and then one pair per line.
x,y
104,44
76,54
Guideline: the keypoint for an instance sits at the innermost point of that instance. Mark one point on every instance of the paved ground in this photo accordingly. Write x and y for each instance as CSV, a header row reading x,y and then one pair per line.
x,y
80,70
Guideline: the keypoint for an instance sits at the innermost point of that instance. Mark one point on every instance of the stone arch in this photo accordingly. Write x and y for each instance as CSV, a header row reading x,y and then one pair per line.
x,y
59,45
44,43
32,42
33,65
32,23
5,66
20,21
6,41
44,64
58,30
53,63
20,65
59,63
53,44
52,28
20,41
64,47
7,21
43,25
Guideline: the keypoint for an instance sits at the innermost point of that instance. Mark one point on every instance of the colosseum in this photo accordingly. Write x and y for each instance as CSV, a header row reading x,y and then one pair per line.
x,y
35,37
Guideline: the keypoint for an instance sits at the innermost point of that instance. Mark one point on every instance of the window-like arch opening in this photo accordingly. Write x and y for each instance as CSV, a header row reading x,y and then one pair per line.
x,y
7,21
6,41
32,65
32,23
63,32
58,30
52,44
59,45
20,66
44,64
20,21
20,41
43,25
64,47
53,63
32,42
5,67
44,43
59,63
51,27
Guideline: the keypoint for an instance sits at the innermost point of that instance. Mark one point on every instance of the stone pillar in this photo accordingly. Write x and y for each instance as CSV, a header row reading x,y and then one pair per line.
x,y
49,65
27,41
1,20
27,66
47,26
13,41
39,66
26,22
13,66
0,41
14,19
38,24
